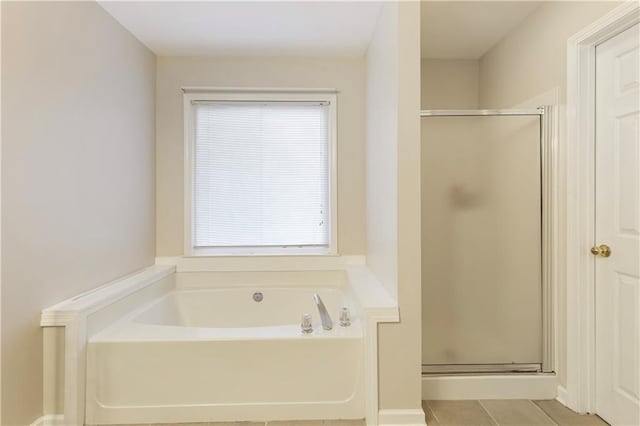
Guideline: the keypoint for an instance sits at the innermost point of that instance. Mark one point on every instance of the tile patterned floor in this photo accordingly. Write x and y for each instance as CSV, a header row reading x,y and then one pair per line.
x,y
285,423
493,412
503,412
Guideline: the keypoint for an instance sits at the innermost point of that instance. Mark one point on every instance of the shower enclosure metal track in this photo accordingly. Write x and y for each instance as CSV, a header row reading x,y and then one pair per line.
x,y
479,112
480,368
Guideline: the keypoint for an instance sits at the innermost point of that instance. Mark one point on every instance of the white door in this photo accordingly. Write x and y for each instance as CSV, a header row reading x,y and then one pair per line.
x,y
617,213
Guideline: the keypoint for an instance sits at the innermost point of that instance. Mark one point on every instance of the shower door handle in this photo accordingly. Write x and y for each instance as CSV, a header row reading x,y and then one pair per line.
x,y
602,250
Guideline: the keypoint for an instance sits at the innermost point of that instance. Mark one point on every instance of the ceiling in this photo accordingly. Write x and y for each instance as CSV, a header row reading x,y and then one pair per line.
x,y
468,29
309,28
450,29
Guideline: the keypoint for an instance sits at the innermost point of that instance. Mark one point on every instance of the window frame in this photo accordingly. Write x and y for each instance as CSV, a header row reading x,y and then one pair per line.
x,y
192,95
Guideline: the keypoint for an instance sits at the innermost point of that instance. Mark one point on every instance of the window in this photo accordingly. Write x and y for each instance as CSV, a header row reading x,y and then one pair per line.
x,y
260,173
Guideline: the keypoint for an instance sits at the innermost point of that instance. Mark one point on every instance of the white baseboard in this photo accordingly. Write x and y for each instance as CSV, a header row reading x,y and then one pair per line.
x,y
562,395
520,386
49,420
401,417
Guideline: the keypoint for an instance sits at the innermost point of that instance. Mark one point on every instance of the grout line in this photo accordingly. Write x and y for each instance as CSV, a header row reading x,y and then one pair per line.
x,y
544,412
433,413
558,421
488,413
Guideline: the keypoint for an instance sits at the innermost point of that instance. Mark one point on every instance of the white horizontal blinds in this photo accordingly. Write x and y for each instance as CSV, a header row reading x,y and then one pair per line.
x,y
261,174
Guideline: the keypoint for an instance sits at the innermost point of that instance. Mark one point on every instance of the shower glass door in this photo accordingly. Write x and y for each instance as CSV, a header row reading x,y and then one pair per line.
x,y
481,242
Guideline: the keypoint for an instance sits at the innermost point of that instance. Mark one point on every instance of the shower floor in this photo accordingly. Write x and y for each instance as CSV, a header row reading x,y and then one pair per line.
x,y
502,412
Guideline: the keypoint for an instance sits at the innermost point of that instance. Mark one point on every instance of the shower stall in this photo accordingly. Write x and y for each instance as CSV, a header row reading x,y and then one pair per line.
x,y
486,289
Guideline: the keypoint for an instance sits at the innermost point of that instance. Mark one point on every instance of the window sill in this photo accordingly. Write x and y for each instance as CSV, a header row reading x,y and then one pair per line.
x,y
262,251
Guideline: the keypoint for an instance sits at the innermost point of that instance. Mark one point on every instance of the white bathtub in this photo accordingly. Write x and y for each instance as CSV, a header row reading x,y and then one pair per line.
x,y
217,355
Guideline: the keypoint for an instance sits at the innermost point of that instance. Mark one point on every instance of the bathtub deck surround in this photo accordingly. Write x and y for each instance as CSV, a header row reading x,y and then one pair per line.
x,y
230,359
218,352
77,319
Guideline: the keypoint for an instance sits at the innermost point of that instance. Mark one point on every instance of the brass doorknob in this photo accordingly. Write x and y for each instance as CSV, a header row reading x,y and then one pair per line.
x,y
602,250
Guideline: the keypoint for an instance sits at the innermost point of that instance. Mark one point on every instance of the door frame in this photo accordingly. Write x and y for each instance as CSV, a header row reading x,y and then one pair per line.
x,y
580,391
0,213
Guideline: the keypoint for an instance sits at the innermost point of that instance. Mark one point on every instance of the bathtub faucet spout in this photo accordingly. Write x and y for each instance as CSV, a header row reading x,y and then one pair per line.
x,y
327,324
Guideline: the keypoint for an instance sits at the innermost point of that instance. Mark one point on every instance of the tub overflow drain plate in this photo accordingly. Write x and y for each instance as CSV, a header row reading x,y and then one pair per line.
x,y
257,296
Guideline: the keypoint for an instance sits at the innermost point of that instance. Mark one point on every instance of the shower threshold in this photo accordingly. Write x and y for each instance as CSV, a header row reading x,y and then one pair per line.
x,y
430,369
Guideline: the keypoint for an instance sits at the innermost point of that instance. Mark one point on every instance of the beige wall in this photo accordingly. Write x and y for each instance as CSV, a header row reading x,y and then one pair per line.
x,y
404,348
530,61
393,195
344,74
449,83
382,149
77,172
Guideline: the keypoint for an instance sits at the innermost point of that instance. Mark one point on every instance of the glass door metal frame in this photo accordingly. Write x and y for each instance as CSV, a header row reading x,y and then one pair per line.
x,y
549,241
479,112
